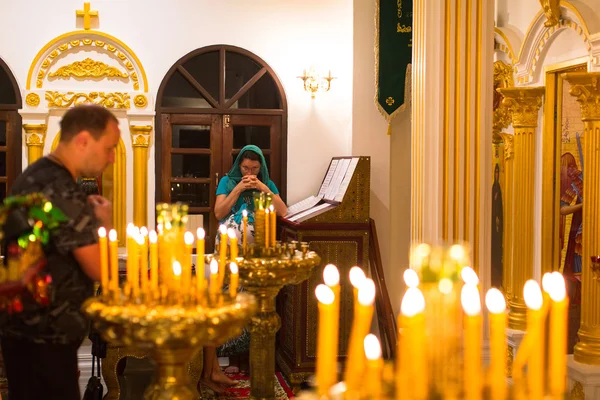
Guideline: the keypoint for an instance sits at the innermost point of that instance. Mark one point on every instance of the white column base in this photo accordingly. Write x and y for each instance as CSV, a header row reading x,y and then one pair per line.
x,y
582,379
514,337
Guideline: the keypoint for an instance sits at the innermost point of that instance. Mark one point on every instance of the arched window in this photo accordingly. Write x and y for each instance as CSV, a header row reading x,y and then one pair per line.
x,y
10,129
211,103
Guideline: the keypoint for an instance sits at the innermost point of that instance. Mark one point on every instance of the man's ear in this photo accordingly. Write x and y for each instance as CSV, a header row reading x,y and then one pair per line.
x,y
82,138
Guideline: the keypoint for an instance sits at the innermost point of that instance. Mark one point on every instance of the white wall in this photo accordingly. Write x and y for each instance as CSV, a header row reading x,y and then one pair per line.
x,y
289,36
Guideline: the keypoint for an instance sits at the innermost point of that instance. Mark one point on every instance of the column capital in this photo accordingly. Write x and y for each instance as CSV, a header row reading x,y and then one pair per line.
x,y
507,139
35,134
586,87
523,104
140,135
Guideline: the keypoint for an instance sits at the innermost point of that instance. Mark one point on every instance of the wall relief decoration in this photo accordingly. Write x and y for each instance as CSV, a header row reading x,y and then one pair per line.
x,y
109,100
88,68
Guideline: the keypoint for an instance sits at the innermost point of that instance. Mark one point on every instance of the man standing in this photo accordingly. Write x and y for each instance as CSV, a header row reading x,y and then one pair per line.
x,y
40,348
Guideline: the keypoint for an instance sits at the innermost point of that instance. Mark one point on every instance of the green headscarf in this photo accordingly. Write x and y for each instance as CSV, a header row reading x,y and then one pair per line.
x,y
235,173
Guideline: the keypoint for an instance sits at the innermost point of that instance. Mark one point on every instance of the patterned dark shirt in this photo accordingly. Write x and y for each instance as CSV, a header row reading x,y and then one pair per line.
x,y
62,321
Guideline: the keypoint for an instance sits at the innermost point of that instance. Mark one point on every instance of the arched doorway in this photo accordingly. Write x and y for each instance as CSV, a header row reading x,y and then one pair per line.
x,y
210,104
10,129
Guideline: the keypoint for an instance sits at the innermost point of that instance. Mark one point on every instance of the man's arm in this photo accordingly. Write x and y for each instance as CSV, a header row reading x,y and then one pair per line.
x,y
88,258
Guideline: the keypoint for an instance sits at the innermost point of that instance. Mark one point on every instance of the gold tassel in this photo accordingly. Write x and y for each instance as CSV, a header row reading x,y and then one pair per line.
x,y
389,130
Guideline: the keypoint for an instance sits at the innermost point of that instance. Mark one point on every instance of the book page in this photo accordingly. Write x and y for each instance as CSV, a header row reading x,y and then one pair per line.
x,y
336,181
303,205
316,210
328,177
346,181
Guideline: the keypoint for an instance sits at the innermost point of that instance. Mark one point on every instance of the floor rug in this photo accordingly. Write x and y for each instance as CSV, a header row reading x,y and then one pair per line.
x,y
242,389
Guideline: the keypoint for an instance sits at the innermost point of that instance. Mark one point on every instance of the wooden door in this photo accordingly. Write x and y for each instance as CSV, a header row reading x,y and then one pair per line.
x,y
191,154
8,151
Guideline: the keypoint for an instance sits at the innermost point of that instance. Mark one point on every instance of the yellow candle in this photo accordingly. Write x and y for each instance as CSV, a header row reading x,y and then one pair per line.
x,y
177,279
267,224
187,262
471,304
135,263
496,305
326,355
129,245
331,277
558,336
411,376
113,245
199,261
233,245
360,327
233,279
245,230
153,239
222,253
214,277
103,244
144,260
357,276
535,320
273,225
374,366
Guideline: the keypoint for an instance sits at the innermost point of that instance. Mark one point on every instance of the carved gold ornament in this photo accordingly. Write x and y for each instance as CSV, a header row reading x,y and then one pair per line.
x,y
140,101
389,101
509,361
508,146
585,86
523,104
577,393
503,78
88,68
552,11
140,135
108,100
32,99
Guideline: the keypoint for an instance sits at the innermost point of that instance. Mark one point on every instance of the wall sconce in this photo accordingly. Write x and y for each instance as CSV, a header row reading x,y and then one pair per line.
x,y
314,83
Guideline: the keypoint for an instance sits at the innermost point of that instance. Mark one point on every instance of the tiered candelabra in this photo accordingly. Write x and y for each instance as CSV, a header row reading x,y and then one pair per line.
x,y
164,308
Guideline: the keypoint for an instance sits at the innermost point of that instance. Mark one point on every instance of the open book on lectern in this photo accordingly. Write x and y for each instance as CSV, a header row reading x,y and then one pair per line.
x,y
331,193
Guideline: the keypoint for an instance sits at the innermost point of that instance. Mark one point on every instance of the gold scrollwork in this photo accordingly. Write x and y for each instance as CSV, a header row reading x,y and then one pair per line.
x,y
108,100
403,28
88,68
586,87
523,104
32,99
34,140
140,101
389,101
140,135
508,145
577,393
503,78
552,11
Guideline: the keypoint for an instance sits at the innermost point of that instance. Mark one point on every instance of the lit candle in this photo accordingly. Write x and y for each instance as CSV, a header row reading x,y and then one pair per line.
x,y
138,270
103,244
222,253
360,328
199,261
535,332
331,277
267,224
357,276
326,336
129,245
113,245
233,245
273,225
558,336
176,279
496,305
471,304
214,277
187,262
469,276
144,260
411,376
374,366
153,239
233,279
245,230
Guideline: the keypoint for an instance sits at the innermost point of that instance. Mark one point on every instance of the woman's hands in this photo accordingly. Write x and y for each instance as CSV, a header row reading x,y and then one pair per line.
x,y
250,182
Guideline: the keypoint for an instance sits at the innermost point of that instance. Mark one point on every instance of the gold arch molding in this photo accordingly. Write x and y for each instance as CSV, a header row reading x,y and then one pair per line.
x,y
84,39
113,180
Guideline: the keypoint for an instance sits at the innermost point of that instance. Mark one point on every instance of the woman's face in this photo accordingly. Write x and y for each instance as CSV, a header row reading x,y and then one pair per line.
x,y
249,167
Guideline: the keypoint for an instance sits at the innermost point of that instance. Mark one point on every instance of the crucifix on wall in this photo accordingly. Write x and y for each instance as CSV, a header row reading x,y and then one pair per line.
x,y
87,15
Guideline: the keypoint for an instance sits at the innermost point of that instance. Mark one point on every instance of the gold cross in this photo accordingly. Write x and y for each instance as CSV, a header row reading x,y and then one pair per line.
x,y
87,15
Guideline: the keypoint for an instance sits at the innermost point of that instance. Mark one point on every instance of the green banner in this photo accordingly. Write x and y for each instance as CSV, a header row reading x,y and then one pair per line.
x,y
393,55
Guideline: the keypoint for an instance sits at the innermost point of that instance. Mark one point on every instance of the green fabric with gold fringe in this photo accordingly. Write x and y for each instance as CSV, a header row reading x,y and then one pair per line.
x,y
393,56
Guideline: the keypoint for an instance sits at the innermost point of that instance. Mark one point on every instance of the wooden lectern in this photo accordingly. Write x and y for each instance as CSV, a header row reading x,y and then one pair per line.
x,y
340,235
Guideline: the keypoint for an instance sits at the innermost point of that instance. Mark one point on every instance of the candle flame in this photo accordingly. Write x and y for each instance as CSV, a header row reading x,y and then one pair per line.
x,y
357,275
469,276
469,297
140,239
271,208
144,231
112,235
366,292
533,295
559,290
200,233
494,301
153,237
176,268
445,286
413,302
324,294
159,228
372,347
411,278
214,267
188,237
130,228
102,232
231,233
233,267
331,275
457,252
245,213
547,282
223,229
267,211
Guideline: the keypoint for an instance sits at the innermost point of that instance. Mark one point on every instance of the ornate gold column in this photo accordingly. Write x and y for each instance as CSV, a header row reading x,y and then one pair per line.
x,y
140,141
508,199
524,105
35,137
586,87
